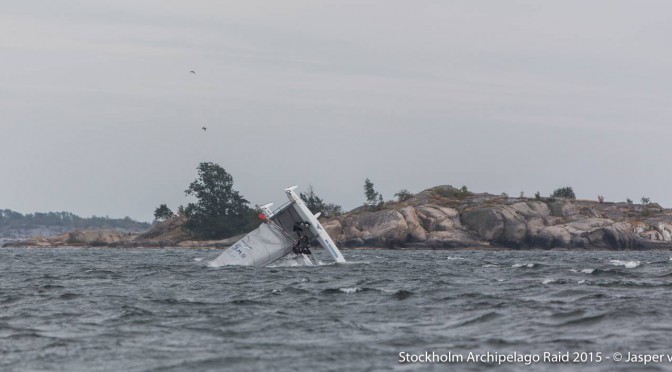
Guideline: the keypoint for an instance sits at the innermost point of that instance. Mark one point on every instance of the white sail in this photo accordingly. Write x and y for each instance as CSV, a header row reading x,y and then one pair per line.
x,y
258,248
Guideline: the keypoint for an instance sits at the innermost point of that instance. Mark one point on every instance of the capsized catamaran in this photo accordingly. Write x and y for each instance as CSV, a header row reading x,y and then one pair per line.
x,y
289,229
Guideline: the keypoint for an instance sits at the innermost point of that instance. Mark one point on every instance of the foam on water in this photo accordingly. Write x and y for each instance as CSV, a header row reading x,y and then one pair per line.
x,y
518,265
349,263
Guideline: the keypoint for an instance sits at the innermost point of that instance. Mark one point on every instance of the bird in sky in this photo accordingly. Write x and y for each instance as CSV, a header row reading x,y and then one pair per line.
x,y
193,72
204,129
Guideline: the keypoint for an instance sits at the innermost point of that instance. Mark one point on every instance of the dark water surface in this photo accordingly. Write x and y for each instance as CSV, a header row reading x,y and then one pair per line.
x,y
132,309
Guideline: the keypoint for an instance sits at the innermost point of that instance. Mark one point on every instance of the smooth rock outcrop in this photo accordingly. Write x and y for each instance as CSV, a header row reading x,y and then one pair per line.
x,y
445,217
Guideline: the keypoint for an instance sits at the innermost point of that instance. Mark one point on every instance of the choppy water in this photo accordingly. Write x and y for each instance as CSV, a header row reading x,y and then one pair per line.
x,y
123,309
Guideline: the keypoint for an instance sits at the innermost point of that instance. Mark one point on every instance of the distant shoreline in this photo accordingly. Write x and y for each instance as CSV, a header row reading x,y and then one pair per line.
x,y
460,249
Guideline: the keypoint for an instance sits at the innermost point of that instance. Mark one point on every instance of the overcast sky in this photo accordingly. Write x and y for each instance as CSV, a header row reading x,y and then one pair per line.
x,y
99,114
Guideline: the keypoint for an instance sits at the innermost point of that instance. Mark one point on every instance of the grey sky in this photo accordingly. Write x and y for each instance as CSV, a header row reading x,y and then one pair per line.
x,y
100,115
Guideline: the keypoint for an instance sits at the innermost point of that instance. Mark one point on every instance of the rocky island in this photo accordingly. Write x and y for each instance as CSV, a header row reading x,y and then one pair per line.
x,y
443,217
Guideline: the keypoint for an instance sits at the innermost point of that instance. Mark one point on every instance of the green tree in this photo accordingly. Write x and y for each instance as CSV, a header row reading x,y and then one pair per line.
x,y
372,196
645,200
220,211
403,195
313,202
163,212
317,204
564,192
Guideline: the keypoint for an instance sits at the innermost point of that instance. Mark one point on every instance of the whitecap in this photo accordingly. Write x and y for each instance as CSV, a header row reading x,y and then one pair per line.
x,y
581,281
450,258
523,265
588,271
348,263
490,265
198,259
349,290
293,261
626,264
548,281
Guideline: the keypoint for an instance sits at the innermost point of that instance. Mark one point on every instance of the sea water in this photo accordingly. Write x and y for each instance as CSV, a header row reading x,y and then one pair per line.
x,y
76,309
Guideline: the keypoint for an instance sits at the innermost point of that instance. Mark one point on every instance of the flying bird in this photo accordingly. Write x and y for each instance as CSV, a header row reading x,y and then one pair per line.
x,y
204,129
193,72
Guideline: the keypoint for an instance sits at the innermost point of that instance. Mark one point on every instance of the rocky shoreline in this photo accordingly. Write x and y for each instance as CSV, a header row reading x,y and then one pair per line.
x,y
443,217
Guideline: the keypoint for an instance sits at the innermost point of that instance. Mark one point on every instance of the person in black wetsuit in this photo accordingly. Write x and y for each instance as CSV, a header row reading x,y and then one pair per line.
x,y
302,244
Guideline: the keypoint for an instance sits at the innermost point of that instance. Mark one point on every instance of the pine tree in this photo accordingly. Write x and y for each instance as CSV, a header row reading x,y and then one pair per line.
x,y
372,196
163,212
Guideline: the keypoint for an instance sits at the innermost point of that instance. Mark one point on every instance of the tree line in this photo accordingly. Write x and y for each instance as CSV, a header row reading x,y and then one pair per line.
x,y
11,220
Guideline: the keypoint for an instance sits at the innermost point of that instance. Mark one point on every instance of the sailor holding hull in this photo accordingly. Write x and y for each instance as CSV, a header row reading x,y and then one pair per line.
x,y
302,244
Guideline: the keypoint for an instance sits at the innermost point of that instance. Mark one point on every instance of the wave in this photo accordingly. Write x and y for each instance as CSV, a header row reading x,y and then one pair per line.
x,y
585,271
69,296
348,263
279,263
627,264
350,290
528,265
608,272
291,290
586,320
479,319
9,300
402,294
